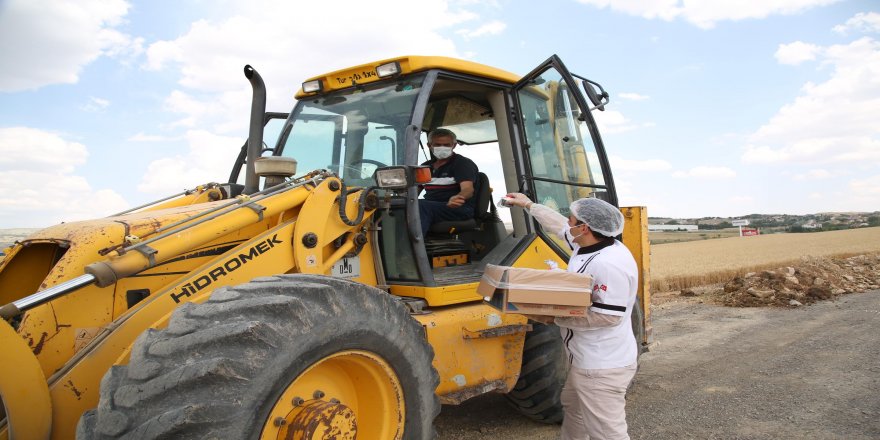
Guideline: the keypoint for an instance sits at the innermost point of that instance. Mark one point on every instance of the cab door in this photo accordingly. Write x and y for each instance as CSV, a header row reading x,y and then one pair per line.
x,y
563,159
563,155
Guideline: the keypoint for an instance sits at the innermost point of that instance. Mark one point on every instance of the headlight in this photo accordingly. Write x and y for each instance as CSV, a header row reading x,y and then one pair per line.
x,y
391,178
402,177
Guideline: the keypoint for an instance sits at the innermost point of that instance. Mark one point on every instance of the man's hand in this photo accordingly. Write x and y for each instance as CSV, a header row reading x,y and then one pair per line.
x,y
456,201
518,199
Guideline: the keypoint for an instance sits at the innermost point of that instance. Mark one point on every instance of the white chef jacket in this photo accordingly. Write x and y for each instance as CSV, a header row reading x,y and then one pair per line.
x,y
615,287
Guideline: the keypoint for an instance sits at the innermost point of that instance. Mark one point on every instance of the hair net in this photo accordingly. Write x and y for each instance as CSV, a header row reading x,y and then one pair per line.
x,y
599,215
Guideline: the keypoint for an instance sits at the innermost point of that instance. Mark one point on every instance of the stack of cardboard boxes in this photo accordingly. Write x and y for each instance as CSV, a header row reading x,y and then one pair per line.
x,y
535,291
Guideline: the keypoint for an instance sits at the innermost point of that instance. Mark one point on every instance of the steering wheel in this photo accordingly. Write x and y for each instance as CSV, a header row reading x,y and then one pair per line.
x,y
362,171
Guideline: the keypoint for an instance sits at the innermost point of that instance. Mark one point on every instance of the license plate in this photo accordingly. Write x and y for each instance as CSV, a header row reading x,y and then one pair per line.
x,y
347,268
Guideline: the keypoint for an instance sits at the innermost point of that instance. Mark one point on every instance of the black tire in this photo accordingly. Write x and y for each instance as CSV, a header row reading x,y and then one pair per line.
x,y
543,373
638,326
219,367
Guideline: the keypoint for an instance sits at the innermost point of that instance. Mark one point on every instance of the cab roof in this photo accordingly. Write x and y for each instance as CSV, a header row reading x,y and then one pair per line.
x,y
366,73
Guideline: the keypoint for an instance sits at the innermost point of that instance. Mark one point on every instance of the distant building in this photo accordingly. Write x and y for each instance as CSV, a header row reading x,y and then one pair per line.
x,y
688,228
811,224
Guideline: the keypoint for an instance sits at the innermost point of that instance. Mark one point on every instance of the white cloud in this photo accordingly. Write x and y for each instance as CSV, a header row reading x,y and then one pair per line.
x,y
796,53
613,121
832,121
633,97
161,53
619,164
706,14
209,158
867,187
211,54
862,22
49,42
95,104
193,109
740,200
662,9
23,148
491,28
36,174
706,172
143,137
815,174
214,96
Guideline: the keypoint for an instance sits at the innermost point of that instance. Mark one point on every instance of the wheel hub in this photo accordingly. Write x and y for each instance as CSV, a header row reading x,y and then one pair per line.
x,y
317,420
326,400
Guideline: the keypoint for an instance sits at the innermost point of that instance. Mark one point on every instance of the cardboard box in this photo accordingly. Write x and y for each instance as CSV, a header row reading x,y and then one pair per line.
x,y
536,291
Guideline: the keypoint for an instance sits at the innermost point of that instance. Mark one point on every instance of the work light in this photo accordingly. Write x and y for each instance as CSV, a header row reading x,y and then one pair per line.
x,y
402,177
389,69
312,86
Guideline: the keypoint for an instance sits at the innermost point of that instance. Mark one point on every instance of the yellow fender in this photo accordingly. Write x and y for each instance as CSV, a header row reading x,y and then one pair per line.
x,y
24,390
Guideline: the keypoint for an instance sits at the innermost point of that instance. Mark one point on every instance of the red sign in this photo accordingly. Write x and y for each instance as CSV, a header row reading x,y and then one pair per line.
x,y
750,231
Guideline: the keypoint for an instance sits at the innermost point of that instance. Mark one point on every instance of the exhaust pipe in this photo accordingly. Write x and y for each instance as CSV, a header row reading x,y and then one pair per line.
x,y
255,134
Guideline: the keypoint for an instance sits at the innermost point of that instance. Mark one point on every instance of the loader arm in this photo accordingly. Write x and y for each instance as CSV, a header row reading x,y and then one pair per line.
x,y
304,233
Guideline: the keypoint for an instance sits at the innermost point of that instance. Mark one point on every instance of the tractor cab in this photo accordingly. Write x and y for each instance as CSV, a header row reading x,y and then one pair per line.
x,y
533,134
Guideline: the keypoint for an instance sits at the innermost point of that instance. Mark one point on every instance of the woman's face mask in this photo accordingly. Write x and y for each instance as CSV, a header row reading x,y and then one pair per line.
x,y
572,233
442,152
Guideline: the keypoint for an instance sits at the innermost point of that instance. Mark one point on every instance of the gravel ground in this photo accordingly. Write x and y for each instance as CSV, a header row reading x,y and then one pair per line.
x,y
715,372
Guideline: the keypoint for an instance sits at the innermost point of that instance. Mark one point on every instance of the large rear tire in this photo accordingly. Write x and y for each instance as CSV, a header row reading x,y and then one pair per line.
x,y
543,373
296,355
638,326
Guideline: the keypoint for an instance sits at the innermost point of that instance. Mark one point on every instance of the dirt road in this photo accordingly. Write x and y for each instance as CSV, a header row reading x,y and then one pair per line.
x,y
811,372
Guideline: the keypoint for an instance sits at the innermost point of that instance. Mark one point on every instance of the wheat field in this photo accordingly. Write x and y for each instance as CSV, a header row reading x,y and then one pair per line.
x,y
676,266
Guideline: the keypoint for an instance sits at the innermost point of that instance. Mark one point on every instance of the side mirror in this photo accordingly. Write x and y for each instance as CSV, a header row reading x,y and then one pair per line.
x,y
597,97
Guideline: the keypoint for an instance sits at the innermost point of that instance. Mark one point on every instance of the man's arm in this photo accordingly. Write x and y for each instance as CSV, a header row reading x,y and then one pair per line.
x,y
466,192
465,172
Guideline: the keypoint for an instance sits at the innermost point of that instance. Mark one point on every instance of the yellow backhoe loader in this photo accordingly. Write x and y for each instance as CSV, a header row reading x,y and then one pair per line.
x,y
309,305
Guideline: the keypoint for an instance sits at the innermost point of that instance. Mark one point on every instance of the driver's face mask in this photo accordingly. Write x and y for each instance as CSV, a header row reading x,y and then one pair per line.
x,y
442,152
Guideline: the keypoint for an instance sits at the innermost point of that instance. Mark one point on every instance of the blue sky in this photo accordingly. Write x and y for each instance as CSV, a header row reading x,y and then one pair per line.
x,y
720,108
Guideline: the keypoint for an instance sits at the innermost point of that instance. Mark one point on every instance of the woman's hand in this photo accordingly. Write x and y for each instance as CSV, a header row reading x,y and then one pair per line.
x,y
518,199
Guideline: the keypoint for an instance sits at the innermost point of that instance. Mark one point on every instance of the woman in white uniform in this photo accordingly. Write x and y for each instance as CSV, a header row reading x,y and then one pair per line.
x,y
601,347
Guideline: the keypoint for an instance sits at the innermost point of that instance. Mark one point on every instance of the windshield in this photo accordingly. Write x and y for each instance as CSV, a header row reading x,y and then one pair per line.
x,y
352,132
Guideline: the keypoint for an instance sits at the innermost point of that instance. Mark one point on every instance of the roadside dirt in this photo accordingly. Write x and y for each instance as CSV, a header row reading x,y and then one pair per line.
x,y
814,279
720,372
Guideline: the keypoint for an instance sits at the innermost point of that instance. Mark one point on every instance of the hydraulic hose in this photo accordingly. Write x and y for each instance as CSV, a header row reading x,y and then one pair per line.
x,y
343,197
